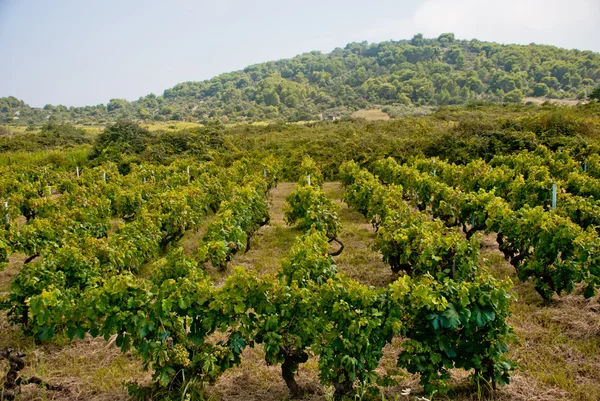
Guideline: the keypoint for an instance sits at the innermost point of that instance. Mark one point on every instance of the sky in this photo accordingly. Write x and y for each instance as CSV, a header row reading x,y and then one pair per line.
x,y
84,52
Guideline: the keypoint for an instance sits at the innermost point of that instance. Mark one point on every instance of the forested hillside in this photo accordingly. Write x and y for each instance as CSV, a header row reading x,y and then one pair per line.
x,y
415,72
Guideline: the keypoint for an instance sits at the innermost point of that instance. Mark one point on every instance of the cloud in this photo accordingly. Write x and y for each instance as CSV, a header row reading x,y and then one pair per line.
x,y
572,24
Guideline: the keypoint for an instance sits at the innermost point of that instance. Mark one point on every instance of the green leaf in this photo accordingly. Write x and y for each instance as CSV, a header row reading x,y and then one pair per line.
x,y
239,308
452,318
435,320
479,317
447,347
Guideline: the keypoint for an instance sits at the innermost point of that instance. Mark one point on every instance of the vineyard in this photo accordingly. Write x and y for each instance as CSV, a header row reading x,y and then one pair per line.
x,y
395,283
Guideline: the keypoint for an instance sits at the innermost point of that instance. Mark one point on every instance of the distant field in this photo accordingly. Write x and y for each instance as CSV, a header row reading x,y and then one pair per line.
x,y
170,125
562,102
370,115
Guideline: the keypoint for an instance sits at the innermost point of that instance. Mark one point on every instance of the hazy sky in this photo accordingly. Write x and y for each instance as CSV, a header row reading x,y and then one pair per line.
x,y
84,52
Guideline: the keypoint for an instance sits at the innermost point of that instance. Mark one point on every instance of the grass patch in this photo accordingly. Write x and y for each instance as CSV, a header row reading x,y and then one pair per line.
x,y
358,260
370,115
271,243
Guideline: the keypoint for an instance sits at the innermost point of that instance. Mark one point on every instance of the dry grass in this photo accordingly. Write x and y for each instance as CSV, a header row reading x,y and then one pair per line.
x,y
14,266
370,115
170,125
192,238
358,260
558,350
269,244
562,102
272,242
253,380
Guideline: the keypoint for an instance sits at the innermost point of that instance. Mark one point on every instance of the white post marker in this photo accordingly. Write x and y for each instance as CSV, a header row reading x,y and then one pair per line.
x,y
188,173
585,166
6,218
434,171
104,176
554,196
264,173
77,170
308,180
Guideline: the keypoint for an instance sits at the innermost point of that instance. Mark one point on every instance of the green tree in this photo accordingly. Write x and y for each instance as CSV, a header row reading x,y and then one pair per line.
x,y
417,40
446,38
425,92
166,110
271,98
119,139
143,113
475,84
514,96
115,104
356,76
551,82
455,56
595,95
540,90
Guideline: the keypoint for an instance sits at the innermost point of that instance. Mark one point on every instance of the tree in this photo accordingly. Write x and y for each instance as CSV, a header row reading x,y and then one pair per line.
x,y
143,113
551,82
425,92
595,95
475,84
115,104
166,110
540,90
271,98
446,38
514,96
417,40
358,75
455,56
121,138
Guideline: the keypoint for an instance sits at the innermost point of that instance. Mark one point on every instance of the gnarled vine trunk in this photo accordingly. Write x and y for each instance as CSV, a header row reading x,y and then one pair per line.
x,y
289,367
13,381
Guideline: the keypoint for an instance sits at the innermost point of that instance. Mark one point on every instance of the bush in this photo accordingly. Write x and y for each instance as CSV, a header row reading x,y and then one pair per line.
x,y
121,138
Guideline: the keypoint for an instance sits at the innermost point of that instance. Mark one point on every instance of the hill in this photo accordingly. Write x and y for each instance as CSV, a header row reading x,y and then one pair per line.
x,y
395,76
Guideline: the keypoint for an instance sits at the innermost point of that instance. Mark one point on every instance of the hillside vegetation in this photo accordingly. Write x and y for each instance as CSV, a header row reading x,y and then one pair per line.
x,y
395,75
454,133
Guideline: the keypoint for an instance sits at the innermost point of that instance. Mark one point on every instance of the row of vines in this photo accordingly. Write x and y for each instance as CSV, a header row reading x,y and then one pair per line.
x,y
103,260
556,248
